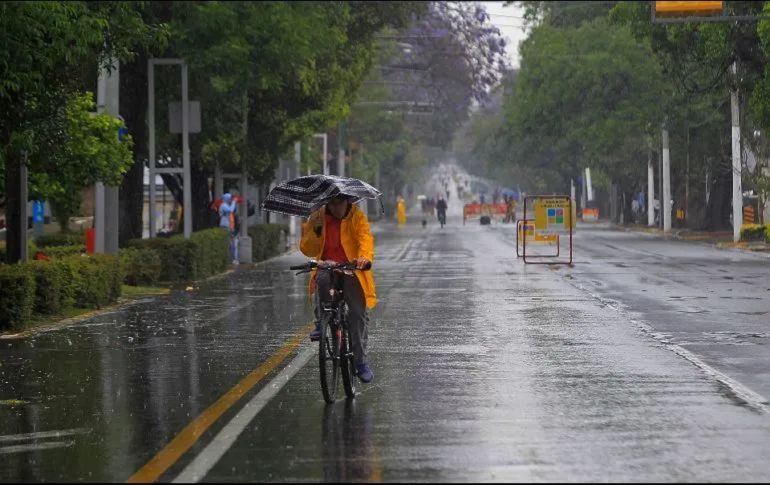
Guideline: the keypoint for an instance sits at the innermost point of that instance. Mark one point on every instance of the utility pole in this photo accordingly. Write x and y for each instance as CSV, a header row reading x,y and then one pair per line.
x,y
244,240
23,196
186,177
736,155
341,151
589,187
665,204
294,222
687,179
219,188
106,204
650,190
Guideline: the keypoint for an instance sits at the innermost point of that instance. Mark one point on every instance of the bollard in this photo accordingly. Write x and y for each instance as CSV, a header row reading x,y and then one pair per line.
x,y
244,250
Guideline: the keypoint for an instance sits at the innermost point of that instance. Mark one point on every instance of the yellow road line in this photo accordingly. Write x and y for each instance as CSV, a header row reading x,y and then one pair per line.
x,y
186,438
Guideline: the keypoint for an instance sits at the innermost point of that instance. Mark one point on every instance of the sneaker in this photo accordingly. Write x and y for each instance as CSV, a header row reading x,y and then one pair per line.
x,y
315,335
364,373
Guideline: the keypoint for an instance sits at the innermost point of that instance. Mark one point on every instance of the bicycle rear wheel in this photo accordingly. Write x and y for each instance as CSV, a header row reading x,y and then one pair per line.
x,y
329,349
348,366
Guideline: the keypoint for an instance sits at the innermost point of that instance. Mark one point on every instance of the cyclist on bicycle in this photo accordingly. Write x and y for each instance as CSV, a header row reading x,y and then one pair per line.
x,y
441,210
340,232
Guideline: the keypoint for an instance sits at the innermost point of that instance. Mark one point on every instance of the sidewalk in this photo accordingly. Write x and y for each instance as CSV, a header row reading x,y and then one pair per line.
x,y
719,239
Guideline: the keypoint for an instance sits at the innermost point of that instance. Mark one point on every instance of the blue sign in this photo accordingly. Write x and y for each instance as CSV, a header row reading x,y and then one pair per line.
x,y
122,132
37,212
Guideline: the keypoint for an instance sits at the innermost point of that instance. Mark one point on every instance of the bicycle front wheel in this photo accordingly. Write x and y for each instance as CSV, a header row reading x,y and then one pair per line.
x,y
329,350
348,366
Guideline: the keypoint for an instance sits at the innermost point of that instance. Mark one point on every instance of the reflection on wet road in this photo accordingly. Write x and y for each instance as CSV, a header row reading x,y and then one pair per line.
x,y
485,369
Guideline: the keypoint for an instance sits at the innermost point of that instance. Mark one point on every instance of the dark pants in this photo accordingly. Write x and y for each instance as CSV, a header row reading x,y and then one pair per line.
x,y
358,318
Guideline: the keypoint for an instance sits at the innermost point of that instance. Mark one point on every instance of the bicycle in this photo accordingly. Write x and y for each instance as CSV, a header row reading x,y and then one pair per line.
x,y
335,354
442,218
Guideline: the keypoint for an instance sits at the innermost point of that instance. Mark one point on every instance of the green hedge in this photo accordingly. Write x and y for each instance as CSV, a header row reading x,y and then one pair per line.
x,y
51,278
17,295
140,266
61,239
100,280
61,251
204,254
31,250
266,240
46,287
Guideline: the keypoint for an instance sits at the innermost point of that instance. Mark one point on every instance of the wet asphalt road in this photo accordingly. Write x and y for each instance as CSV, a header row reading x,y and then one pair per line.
x,y
643,362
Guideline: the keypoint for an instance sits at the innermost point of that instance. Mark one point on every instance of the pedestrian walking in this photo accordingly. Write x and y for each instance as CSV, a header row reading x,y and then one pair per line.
x,y
401,209
227,214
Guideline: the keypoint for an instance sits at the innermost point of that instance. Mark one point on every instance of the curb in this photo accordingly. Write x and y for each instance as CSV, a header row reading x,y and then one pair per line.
x,y
700,240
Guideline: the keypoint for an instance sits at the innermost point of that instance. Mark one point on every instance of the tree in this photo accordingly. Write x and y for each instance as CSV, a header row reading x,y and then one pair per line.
x,y
45,47
584,96
267,74
87,140
695,59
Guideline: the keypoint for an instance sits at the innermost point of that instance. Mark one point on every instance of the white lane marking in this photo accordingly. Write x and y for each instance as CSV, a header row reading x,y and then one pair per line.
x,y
35,447
206,459
751,398
402,254
231,311
42,435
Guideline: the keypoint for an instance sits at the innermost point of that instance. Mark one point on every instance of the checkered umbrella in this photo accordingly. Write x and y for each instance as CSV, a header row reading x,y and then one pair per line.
x,y
304,195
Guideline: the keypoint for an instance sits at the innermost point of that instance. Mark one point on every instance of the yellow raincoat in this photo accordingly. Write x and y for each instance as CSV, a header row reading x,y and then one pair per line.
x,y
357,241
401,210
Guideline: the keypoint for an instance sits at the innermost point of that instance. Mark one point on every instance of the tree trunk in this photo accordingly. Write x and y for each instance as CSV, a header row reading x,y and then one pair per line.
x,y
13,207
720,202
133,108
203,217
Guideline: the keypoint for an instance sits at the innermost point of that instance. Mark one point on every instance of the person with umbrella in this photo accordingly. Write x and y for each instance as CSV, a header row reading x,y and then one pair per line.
x,y
340,232
336,230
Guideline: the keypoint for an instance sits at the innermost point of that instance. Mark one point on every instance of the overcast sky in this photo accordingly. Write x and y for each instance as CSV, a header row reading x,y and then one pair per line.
x,y
510,22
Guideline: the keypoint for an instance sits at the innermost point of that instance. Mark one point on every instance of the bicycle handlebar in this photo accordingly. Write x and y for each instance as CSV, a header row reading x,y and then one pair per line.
x,y
351,265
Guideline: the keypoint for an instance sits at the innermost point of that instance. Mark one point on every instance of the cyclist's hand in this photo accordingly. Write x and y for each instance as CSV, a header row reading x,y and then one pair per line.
x,y
362,263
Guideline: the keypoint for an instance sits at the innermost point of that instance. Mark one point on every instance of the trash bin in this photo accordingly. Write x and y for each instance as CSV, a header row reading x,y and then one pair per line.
x,y
90,240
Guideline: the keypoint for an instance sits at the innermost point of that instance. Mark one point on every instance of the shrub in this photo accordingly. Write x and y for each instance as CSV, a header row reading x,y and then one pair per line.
x,y
61,251
266,240
61,239
99,279
51,278
17,295
204,254
754,232
140,266
212,249
31,250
